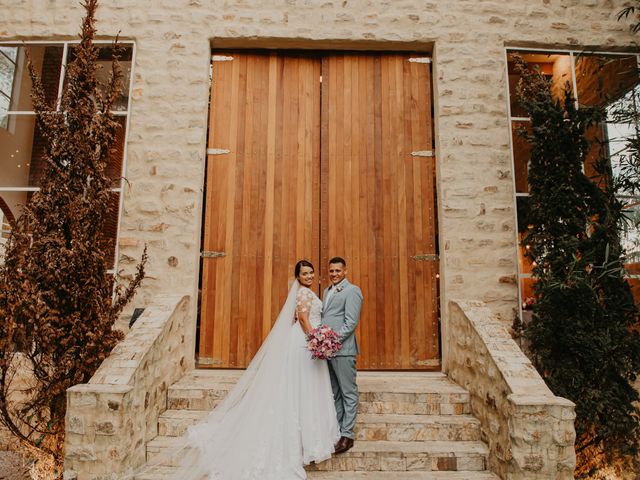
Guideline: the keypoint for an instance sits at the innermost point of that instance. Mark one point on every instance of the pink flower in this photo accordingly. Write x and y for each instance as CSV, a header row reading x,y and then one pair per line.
x,y
323,342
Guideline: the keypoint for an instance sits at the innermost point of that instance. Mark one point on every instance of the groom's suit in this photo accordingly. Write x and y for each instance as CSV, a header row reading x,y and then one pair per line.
x,y
341,311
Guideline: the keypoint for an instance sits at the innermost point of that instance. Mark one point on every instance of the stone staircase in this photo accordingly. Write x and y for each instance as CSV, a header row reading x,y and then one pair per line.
x,y
410,426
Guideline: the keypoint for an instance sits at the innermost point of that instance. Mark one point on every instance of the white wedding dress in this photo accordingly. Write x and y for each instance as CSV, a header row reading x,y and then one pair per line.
x,y
279,417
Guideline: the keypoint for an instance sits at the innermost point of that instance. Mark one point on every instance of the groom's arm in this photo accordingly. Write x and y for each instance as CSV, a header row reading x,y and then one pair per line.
x,y
352,307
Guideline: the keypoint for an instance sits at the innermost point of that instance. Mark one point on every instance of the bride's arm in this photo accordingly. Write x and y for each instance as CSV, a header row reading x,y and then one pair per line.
x,y
303,318
303,307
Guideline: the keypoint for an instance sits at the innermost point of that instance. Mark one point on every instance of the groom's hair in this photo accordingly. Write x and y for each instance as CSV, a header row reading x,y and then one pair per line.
x,y
338,260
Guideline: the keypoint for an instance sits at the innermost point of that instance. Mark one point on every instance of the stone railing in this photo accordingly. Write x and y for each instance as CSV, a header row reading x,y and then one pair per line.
x,y
110,419
529,430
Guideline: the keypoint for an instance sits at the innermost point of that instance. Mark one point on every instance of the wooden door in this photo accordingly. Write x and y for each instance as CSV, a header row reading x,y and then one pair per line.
x,y
296,174
378,202
262,197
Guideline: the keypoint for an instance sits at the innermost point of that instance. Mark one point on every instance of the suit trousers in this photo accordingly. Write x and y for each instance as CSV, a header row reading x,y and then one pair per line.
x,y
342,371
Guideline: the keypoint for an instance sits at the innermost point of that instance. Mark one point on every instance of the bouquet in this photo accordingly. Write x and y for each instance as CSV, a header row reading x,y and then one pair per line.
x,y
323,343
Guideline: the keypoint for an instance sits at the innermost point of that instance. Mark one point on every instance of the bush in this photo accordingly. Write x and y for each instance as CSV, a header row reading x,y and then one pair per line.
x,y
581,334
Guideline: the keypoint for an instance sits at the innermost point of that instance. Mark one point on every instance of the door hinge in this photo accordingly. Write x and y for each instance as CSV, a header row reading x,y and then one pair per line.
x,y
221,58
428,363
210,361
210,254
422,153
217,151
429,257
420,59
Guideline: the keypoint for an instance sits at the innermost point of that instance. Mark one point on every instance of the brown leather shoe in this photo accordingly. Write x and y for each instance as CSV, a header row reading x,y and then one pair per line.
x,y
343,445
348,444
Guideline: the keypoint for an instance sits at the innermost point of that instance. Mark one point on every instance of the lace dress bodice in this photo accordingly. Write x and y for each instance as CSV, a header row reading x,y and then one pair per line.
x,y
307,301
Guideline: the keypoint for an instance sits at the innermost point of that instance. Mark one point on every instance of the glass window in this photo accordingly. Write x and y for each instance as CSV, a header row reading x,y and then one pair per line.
x,y
22,146
556,67
605,80
47,61
8,57
6,217
105,54
521,154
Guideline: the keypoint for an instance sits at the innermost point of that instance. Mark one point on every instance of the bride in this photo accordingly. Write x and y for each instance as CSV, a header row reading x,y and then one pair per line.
x,y
280,415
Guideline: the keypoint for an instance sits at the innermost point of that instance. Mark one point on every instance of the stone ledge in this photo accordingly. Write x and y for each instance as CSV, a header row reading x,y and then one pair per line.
x,y
529,430
110,419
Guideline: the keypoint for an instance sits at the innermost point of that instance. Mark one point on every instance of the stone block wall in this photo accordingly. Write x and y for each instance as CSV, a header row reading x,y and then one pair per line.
x,y
167,137
168,121
529,430
110,419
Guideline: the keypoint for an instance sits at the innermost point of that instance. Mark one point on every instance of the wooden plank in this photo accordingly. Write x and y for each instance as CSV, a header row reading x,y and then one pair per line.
x,y
259,142
417,125
378,227
359,149
324,169
224,292
404,156
315,210
278,191
232,315
269,187
220,94
369,169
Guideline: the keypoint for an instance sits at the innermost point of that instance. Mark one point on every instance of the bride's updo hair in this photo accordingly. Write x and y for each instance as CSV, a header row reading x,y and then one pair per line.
x,y
303,263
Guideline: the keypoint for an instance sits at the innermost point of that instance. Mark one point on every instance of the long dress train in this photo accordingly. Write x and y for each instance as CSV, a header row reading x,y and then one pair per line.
x,y
277,418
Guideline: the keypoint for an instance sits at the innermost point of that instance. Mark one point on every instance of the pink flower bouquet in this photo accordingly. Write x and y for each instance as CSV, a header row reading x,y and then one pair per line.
x,y
323,343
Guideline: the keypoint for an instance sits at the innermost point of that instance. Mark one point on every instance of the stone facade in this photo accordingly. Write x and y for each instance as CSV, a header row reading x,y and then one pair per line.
x,y
165,178
529,430
110,419
166,148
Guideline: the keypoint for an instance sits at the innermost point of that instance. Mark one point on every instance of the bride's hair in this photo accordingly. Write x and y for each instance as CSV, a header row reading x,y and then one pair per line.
x,y
303,263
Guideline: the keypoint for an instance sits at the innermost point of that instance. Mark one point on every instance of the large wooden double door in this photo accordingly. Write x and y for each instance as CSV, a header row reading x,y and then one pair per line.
x,y
313,156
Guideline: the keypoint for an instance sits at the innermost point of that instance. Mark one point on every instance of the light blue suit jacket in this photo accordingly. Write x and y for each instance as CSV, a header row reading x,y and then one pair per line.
x,y
341,312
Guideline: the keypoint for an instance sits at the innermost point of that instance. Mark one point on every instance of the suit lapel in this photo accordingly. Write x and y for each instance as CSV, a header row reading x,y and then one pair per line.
x,y
343,285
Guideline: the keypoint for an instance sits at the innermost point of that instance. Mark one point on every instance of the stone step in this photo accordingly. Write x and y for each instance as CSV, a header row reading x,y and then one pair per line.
x,y
411,393
369,456
408,428
317,475
161,473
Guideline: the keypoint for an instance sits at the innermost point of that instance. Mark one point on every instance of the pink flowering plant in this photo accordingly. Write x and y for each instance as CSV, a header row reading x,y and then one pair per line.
x,y
323,343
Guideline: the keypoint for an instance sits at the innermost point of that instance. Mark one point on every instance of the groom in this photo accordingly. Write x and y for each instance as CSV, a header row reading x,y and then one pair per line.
x,y
341,304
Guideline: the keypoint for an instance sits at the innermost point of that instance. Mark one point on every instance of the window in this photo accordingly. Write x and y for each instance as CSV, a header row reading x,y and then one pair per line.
x,y
596,79
22,145
8,61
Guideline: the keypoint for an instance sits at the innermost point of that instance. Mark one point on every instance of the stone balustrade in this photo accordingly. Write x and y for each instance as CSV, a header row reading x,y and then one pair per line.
x,y
110,419
528,429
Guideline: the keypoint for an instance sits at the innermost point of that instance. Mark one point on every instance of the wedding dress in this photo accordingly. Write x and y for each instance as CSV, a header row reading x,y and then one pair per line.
x,y
280,415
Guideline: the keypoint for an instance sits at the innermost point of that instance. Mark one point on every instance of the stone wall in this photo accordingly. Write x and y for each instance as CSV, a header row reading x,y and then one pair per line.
x,y
529,430
167,139
110,419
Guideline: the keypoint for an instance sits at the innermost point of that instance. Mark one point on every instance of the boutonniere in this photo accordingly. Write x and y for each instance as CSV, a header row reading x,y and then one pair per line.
x,y
339,289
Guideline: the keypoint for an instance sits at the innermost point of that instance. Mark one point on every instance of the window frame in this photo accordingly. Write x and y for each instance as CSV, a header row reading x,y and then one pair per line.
x,y
521,276
13,82
66,44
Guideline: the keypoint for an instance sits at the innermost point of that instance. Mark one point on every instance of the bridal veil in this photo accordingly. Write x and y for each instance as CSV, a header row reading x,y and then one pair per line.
x,y
254,433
